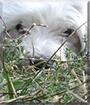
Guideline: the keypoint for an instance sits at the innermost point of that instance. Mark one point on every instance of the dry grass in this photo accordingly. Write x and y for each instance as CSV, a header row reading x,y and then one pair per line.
x,y
63,82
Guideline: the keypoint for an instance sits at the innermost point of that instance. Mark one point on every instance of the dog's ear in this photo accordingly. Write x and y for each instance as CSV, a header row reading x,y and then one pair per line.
x,y
77,40
79,6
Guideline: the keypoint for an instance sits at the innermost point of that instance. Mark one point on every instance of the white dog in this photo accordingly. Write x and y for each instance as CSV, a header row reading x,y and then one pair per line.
x,y
61,18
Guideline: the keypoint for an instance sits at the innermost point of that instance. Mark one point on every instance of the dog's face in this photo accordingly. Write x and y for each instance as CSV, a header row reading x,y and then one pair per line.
x,y
62,19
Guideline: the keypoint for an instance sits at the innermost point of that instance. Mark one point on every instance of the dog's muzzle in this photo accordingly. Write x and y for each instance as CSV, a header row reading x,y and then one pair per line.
x,y
38,63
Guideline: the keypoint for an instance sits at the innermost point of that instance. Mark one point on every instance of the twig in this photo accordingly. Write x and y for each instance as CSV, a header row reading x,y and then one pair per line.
x,y
5,29
3,22
76,96
35,65
33,25
78,80
70,60
20,97
13,88
84,79
14,40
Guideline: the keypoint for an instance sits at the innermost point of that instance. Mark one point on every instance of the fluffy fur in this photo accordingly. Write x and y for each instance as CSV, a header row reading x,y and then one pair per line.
x,y
61,18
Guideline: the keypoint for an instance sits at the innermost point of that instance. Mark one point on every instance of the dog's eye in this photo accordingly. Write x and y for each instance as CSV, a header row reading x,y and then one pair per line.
x,y
20,29
19,26
68,31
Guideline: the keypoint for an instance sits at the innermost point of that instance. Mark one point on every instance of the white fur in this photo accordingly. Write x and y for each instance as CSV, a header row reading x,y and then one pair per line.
x,y
57,16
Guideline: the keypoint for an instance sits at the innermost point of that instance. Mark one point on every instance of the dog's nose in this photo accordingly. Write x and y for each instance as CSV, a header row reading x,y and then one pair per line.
x,y
40,62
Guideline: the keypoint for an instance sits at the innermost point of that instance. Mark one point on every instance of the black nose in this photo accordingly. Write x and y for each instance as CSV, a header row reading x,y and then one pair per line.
x,y
40,62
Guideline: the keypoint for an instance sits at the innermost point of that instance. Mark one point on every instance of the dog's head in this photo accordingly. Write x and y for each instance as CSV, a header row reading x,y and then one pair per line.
x,y
62,19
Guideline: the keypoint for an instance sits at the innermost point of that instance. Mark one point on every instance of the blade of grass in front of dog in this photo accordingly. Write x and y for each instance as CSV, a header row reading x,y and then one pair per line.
x,y
7,77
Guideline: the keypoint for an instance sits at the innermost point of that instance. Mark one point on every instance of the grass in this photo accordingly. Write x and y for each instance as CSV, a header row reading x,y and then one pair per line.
x,y
63,82
49,83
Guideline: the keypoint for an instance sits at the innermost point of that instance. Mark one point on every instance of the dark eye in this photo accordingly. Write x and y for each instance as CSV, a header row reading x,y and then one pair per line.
x,y
19,26
68,31
20,29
